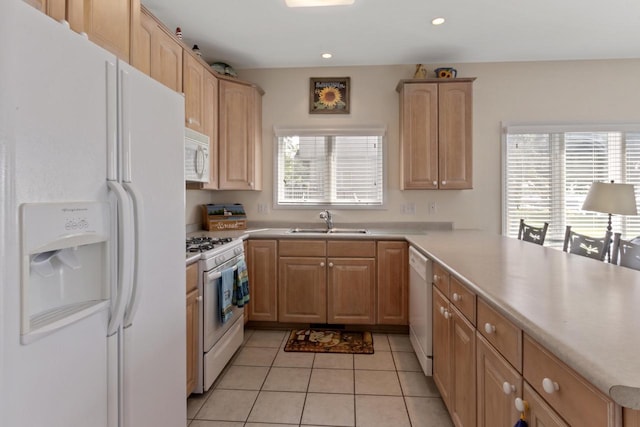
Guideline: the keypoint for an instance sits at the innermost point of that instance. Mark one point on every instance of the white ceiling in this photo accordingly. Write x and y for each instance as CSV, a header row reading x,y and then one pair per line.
x,y
267,34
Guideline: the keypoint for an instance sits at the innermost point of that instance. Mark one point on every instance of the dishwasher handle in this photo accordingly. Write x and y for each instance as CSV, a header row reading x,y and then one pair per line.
x,y
418,263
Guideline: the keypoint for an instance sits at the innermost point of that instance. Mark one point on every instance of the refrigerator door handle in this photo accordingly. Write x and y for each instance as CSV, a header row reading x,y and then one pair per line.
x,y
125,120
138,223
112,121
125,257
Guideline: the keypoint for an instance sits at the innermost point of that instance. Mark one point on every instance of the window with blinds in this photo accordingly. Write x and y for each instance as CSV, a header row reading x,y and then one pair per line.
x,y
330,168
548,171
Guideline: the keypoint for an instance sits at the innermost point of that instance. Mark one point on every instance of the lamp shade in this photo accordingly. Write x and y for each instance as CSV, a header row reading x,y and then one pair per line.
x,y
611,198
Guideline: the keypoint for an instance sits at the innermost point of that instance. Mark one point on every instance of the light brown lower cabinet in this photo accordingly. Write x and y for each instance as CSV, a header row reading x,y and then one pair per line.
x,y
498,384
631,418
393,283
454,360
262,266
540,414
302,289
351,291
193,315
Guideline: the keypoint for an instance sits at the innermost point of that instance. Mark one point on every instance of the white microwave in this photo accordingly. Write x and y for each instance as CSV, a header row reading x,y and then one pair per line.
x,y
196,156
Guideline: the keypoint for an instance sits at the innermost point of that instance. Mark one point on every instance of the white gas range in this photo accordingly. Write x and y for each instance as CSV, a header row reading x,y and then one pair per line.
x,y
218,341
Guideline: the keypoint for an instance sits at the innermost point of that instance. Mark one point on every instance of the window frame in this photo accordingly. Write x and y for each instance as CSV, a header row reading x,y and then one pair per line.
x,y
540,128
279,131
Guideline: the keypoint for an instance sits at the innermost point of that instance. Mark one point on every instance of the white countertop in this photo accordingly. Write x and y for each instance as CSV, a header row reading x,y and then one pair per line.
x,y
584,311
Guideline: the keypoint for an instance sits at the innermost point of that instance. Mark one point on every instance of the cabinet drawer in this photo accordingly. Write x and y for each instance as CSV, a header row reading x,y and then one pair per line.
x,y
577,401
441,279
302,248
501,333
192,277
352,248
463,298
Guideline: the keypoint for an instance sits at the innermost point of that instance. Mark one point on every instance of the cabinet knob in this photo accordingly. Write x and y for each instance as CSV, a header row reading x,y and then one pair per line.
x,y
521,405
190,120
435,278
444,182
251,184
457,297
489,328
508,388
199,299
550,386
447,314
330,264
322,264
442,310
435,183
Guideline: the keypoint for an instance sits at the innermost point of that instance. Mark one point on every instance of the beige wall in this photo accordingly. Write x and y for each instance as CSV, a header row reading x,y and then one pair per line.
x,y
567,91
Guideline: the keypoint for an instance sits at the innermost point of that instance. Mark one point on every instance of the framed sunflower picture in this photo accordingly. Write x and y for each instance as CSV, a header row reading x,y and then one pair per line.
x,y
329,95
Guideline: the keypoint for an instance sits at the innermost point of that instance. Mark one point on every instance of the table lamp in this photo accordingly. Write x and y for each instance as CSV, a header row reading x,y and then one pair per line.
x,y
611,198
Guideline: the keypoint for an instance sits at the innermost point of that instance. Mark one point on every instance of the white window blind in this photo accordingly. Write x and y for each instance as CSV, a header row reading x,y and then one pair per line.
x,y
549,170
329,168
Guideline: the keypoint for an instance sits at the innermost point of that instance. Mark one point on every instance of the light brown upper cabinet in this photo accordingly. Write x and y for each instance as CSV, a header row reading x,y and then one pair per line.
x,y
193,85
436,133
156,52
109,23
239,136
71,11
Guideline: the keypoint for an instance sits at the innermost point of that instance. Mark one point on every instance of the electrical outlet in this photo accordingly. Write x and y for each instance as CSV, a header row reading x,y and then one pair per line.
x,y
263,208
433,208
408,208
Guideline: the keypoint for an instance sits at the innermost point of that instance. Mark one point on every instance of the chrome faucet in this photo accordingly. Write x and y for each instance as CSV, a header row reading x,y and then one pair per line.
x,y
326,215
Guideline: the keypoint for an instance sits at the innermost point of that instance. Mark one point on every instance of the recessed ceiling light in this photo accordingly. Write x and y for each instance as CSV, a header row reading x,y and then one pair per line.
x,y
326,55
437,21
314,3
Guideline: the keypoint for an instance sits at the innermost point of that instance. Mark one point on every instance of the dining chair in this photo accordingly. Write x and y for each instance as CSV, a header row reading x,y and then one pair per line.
x,y
532,234
591,247
625,253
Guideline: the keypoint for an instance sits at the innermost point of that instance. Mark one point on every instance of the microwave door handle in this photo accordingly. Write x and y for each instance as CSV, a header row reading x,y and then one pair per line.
x,y
200,159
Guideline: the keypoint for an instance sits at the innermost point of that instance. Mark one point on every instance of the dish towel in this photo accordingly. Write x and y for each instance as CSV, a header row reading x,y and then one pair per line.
x,y
241,285
225,294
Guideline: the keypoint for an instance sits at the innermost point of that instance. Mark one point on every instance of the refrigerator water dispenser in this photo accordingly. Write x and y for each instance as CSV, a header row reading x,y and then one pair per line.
x,y
65,265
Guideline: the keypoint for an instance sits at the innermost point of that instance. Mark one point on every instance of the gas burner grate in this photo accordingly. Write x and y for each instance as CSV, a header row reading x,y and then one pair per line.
x,y
204,243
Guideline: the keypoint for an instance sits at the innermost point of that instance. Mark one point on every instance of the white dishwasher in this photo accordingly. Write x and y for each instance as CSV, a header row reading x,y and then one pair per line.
x,y
420,308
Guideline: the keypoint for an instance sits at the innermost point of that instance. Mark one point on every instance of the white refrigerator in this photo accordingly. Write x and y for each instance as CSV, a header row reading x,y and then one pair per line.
x,y
92,292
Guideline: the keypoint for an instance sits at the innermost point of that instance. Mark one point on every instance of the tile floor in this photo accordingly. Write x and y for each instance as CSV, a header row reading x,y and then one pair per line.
x,y
265,387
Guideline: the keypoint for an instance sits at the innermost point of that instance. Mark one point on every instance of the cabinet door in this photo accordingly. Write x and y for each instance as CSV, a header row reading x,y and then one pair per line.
x,y
143,35
393,283
302,290
442,345
237,136
540,414
631,418
108,24
193,85
495,407
211,127
455,135
262,264
463,350
193,313
351,291
166,60
419,136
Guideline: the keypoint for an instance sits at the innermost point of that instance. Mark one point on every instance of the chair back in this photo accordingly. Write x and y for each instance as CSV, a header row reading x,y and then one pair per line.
x,y
587,246
531,234
625,253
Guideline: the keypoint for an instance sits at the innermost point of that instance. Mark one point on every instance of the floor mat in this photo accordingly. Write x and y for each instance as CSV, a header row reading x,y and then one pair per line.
x,y
329,341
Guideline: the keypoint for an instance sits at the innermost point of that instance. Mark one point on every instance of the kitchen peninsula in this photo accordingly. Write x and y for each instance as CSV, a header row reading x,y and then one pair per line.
x,y
582,312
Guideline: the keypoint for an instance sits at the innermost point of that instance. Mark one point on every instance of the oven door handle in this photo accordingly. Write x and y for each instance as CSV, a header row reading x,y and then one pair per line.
x,y
218,274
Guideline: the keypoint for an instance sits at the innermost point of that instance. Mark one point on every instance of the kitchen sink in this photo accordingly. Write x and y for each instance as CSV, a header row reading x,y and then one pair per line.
x,y
328,231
